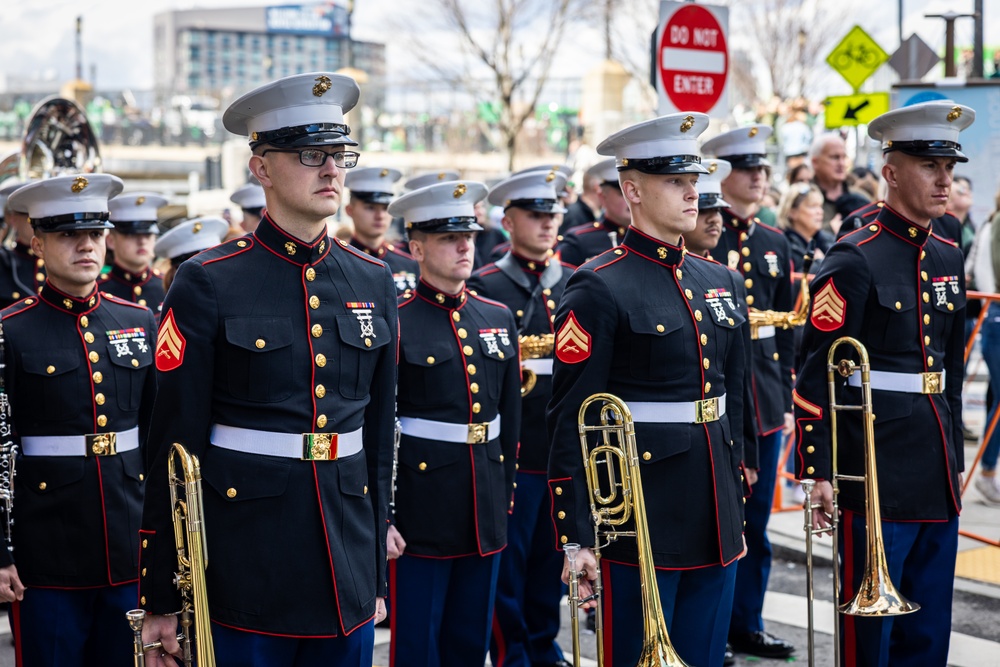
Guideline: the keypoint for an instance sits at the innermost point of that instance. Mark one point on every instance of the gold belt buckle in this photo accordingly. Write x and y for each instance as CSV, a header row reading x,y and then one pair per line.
x,y
706,410
101,444
319,446
478,434
931,382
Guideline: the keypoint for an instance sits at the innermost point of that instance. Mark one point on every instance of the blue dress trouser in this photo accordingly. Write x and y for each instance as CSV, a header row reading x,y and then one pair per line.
x,y
238,648
442,610
696,607
921,559
74,627
755,567
529,589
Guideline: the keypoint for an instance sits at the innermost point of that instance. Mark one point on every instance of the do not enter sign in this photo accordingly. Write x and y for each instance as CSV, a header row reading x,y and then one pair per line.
x,y
692,58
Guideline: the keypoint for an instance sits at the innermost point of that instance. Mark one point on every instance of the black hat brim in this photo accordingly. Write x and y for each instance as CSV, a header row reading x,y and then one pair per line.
x,y
136,227
444,226
746,161
312,139
709,202
384,198
953,153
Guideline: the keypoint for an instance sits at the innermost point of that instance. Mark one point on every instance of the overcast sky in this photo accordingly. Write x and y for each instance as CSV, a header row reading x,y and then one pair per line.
x,y
36,36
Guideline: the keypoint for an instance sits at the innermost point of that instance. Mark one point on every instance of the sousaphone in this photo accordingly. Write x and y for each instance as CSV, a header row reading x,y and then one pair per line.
x,y
58,140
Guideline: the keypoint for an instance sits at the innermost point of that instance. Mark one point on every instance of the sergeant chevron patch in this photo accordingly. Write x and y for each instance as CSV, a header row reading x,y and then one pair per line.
x,y
828,309
572,341
169,344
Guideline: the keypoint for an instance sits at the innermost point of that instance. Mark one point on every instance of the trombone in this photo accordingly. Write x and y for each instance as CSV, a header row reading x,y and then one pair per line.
x,y
535,346
192,559
616,457
877,596
782,320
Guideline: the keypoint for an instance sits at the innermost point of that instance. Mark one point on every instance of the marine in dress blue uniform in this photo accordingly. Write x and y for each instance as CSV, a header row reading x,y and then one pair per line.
x,y
583,243
185,240
250,198
371,193
667,332
21,272
946,226
762,255
530,282
900,290
132,276
80,377
460,409
279,350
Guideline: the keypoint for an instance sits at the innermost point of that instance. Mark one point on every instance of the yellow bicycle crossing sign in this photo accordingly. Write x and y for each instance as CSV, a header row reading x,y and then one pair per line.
x,y
856,57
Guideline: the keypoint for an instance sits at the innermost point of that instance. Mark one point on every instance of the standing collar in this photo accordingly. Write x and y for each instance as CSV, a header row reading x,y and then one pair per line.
x,y
654,249
733,221
129,277
442,299
69,304
368,250
613,226
287,246
530,265
899,226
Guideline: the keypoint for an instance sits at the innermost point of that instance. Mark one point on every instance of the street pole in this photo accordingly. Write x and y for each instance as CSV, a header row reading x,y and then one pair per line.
x,y
977,41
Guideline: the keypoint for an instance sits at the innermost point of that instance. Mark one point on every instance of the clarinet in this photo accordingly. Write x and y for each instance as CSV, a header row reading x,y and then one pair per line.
x,y
8,456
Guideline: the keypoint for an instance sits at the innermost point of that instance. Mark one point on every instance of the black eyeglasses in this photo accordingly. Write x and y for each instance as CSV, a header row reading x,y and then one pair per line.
x,y
314,157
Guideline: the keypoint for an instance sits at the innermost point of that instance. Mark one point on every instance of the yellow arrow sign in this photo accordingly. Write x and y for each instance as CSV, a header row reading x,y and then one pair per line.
x,y
859,109
857,57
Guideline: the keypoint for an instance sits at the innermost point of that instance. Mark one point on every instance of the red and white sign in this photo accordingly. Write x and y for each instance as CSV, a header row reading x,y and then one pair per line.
x,y
692,58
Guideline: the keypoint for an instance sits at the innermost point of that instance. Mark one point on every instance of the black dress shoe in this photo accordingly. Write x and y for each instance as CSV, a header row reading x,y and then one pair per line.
x,y
762,644
728,659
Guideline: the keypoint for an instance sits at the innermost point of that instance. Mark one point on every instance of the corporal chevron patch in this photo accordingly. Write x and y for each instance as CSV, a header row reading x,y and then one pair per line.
x,y
828,309
170,344
572,341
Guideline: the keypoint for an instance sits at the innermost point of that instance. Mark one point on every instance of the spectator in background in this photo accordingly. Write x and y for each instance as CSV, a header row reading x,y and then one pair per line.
x,y
800,216
802,173
829,163
768,213
959,204
864,179
587,207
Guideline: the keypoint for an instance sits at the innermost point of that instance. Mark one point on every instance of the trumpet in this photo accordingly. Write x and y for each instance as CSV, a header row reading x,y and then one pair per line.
x,y
782,320
192,558
535,346
877,596
617,456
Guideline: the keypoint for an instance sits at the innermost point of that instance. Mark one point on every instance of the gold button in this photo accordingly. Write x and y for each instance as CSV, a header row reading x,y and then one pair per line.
x,y
704,339
144,572
142,600
705,362
679,274
321,360
689,294
320,391
873,228
951,306
776,356
927,319
708,387
750,299
137,290
94,357
310,274
455,316
471,368
930,360
422,466
474,387
500,354
520,313
927,297
242,244
501,458
368,342
89,337
477,408
321,421
145,543
748,282
40,277
135,363
50,370
314,302
467,350
102,420
898,305
16,295
142,302
546,291
618,251
809,428
927,340
923,274
745,252
260,343
141,477
810,470
231,492
697,315
731,321
550,303
646,456
462,333
42,486
84,322
98,377
563,539
317,330
660,328
515,485
923,254
810,449
99,399
365,490
561,514
431,360
746,267
558,490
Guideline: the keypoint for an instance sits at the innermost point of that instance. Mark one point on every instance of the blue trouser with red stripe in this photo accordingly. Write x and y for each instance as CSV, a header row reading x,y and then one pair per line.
x,y
74,627
529,590
442,610
239,648
755,567
921,559
696,607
